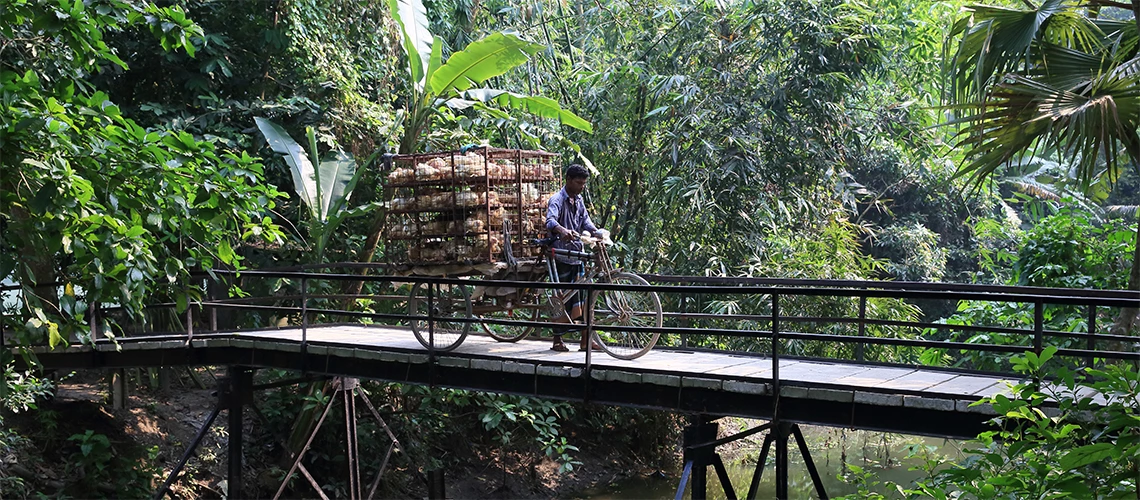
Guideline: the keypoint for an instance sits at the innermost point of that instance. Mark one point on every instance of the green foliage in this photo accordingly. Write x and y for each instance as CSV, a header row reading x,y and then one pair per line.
x,y
1068,250
436,83
919,257
90,197
1071,250
324,190
997,244
1007,60
102,468
512,420
22,390
502,415
1075,437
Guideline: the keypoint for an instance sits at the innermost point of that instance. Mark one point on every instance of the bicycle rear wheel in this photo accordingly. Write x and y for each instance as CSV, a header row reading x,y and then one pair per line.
x,y
450,303
621,308
527,304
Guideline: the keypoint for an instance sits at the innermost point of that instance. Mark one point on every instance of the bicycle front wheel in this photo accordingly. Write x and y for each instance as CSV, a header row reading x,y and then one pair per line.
x,y
451,302
621,308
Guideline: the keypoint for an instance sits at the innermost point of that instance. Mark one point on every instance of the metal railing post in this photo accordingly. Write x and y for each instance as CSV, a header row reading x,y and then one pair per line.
x,y
1038,326
431,289
862,327
776,356
304,323
1038,336
189,320
1089,361
685,321
212,295
700,309
589,333
95,321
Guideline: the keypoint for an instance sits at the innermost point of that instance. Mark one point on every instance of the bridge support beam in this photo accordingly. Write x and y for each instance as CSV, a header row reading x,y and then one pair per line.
x,y
698,457
348,389
235,391
778,435
700,444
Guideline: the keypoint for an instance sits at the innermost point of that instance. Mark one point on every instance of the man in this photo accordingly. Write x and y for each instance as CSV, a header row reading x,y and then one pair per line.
x,y
566,218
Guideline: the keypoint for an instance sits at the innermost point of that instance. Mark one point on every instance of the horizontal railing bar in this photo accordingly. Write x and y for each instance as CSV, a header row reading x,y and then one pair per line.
x,y
702,331
1124,300
896,285
900,285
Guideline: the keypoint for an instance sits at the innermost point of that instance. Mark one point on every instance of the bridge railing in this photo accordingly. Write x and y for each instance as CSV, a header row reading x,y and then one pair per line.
x,y
864,321
1024,318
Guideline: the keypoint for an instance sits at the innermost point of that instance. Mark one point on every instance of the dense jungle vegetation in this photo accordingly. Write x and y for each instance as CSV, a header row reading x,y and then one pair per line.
x,y
831,139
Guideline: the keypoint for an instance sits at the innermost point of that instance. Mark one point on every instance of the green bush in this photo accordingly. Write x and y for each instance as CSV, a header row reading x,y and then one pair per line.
x,y
1075,437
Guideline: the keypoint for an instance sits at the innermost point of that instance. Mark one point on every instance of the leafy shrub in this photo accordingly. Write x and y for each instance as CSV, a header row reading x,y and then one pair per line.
x,y
914,252
1071,250
1073,437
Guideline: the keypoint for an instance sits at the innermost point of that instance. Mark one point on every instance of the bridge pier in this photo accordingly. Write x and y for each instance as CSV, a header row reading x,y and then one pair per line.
x,y
698,457
119,388
348,389
234,391
700,444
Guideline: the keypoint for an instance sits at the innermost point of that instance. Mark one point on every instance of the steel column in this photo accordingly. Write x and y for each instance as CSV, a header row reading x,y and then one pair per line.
x,y
1089,361
349,391
782,429
234,399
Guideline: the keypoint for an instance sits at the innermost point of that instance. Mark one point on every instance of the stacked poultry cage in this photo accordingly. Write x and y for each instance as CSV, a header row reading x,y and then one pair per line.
x,y
449,207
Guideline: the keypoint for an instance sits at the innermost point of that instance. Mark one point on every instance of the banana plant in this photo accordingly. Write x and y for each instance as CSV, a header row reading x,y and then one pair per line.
x,y
324,190
455,83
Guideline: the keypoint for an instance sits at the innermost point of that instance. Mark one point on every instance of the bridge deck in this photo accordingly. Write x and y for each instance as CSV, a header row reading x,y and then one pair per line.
x,y
923,401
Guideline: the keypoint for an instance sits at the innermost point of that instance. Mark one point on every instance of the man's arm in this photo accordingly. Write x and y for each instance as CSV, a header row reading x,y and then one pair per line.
x,y
553,214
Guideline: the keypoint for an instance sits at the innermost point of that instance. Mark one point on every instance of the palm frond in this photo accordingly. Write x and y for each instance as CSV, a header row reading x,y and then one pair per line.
x,y
1126,211
1121,36
1070,69
997,40
1087,128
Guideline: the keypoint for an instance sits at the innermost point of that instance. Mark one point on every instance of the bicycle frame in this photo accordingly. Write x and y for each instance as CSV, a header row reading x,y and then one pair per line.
x,y
595,264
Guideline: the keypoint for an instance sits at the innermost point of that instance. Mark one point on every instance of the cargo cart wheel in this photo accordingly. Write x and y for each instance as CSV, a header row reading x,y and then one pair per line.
x,y
449,303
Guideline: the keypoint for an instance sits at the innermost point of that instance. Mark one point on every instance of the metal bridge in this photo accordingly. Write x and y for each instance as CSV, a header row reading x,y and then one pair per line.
x,y
838,353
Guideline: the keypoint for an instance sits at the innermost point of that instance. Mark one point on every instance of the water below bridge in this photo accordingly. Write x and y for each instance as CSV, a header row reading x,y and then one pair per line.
x,y
890,457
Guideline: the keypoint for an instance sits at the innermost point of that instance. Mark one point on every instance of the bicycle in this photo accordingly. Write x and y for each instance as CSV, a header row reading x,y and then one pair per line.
x,y
610,308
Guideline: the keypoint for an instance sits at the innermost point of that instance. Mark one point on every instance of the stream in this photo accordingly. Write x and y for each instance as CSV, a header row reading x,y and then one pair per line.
x,y
883,454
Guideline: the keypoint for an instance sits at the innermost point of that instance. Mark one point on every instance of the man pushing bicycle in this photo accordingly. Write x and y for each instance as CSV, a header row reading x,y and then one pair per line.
x,y
567,219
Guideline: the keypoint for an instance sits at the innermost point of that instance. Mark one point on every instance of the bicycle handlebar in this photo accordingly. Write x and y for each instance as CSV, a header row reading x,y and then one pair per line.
x,y
547,242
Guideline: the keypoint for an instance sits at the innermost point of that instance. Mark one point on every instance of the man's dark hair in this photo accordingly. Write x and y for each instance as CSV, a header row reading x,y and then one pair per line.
x,y
577,171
